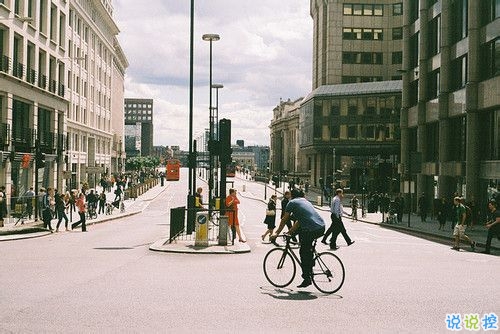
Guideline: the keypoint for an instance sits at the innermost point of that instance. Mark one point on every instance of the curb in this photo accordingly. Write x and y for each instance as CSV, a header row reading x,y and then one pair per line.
x,y
162,245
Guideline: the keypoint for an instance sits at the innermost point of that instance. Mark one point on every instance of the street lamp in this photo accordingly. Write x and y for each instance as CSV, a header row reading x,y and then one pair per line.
x,y
216,131
210,38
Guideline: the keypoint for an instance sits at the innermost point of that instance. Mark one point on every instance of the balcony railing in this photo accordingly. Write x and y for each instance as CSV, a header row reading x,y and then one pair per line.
x,y
23,137
31,76
47,140
18,70
52,86
60,90
4,63
42,81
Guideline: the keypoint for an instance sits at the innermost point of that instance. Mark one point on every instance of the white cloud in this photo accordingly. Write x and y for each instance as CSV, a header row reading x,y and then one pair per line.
x,y
264,54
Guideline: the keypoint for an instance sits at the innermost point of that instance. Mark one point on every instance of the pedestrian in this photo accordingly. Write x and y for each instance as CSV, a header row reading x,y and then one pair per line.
x,y
40,197
3,208
337,226
48,208
400,205
309,225
493,225
423,207
354,207
232,202
270,219
61,205
198,198
80,204
102,201
29,196
459,229
442,209
118,192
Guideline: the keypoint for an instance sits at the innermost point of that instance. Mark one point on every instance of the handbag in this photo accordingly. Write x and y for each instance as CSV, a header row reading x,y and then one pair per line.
x,y
270,212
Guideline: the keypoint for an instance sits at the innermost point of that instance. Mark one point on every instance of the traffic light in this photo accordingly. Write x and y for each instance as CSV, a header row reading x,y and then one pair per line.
x,y
40,159
225,141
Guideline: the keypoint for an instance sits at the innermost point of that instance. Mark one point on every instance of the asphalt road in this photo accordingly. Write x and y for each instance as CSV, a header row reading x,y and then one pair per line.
x,y
108,281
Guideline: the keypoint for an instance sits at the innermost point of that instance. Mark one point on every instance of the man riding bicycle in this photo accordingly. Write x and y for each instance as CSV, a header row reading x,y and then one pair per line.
x,y
309,226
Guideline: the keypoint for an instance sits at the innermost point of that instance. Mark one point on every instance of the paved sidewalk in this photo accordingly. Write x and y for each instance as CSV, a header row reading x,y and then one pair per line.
x,y
33,229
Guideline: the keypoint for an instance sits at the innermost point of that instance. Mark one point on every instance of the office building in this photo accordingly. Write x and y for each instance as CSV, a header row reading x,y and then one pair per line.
x,y
450,119
138,127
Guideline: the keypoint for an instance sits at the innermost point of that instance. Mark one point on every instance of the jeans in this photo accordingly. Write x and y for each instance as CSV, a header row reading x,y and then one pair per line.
x,y
494,230
306,250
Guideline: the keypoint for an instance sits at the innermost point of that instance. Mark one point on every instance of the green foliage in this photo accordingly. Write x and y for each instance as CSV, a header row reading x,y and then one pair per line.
x,y
141,163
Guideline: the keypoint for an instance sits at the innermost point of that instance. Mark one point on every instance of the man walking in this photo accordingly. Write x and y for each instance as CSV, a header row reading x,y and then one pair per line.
x,y
337,226
459,229
309,225
29,196
493,225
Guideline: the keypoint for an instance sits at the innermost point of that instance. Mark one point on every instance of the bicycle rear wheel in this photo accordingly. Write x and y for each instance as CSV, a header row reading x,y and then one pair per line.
x,y
279,267
328,273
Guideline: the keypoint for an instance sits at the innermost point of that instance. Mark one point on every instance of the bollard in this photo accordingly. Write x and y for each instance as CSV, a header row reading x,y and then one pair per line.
x,y
223,230
244,188
318,201
201,230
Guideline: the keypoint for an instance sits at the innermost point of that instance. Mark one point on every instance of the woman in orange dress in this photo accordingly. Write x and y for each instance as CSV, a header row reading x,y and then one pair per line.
x,y
232,212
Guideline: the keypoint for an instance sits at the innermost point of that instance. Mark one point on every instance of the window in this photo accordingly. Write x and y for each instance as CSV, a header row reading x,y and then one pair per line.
x,y
434,36
357,9
370,132
347,9
459,22
363,9
413,56
397,57
362,58
490,10
352,131
397,33
459,73
397,9
433,87
352,107
413,8
490,66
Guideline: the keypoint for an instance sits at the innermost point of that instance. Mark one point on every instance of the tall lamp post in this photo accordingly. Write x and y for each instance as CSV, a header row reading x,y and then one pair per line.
x,y
216,132
191,162
210,38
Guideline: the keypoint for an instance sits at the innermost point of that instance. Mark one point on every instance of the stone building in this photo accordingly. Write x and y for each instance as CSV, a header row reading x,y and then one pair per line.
x,y
349,122
60,62
450,118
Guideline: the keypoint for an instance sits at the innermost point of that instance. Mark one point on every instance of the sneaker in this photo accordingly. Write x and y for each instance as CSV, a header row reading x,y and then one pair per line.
x,y
323,241
334,247
455,248
305,283
350,243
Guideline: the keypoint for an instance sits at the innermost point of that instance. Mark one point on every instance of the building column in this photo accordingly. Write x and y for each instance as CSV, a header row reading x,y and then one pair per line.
x,y
473,129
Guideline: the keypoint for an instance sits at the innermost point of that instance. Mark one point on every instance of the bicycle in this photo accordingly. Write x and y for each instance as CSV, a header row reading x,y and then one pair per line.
x,y
280,267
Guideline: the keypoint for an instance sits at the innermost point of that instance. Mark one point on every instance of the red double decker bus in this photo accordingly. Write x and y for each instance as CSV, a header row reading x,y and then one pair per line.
x,y
173,169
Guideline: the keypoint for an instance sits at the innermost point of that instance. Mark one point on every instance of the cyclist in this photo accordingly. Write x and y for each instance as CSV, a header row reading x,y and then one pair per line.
x,y
309,225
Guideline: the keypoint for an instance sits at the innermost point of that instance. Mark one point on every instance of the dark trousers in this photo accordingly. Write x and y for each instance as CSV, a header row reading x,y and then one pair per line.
x,y
492,231
306,250
101,206
81,221
47,217
335,229
62,215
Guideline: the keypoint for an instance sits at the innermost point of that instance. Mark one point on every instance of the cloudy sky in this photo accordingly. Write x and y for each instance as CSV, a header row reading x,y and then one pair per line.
x,y
264,54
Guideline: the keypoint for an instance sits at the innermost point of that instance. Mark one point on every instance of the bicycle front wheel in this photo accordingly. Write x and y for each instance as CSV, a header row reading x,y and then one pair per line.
x,y
328,273
279,267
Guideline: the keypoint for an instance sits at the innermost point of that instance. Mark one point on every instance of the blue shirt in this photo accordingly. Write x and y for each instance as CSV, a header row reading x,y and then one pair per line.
x,y
306,214
336,207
